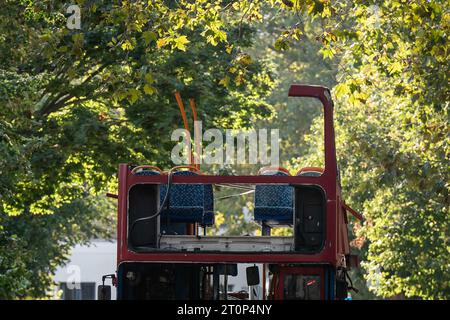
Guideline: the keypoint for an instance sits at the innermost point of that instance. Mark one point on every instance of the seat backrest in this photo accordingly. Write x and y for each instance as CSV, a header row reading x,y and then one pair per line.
x,y
188,203
197,200
271,195
186,195
154,172
274,203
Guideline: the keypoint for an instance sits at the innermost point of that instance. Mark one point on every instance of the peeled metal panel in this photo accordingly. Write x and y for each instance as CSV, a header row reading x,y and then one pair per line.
x,y
313,218
309,228
143,201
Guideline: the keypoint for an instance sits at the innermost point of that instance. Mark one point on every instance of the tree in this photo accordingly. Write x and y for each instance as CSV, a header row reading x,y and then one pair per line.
x,y
299,61
75,103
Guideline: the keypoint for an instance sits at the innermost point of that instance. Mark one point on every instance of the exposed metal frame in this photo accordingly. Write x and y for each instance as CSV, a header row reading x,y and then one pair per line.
x,y
335,246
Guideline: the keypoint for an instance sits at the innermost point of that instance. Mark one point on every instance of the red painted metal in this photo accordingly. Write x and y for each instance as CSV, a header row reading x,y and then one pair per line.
x,y
354,213
336,244
323,94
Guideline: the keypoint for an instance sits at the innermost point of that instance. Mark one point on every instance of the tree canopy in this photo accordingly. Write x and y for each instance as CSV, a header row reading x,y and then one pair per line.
x,y
75,103
393,84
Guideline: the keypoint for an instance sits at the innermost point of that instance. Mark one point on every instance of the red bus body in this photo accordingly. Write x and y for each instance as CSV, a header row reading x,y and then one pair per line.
x,y
335,251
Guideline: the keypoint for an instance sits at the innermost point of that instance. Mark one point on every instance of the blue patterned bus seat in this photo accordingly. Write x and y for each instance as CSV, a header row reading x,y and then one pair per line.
x,y
274,203
188,203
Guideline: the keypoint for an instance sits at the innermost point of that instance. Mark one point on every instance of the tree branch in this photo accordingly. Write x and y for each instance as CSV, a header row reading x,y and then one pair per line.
x,y
60,100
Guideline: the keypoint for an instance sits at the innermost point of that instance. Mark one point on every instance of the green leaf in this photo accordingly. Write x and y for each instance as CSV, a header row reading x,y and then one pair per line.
x,y
341,90
149,78
127,45
132,95
149,89
149,36
225,81
180,43
281,44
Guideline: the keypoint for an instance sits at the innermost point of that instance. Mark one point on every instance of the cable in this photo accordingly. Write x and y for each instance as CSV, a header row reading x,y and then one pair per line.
x,y
161,207
350,287
235,186
235,195
159,239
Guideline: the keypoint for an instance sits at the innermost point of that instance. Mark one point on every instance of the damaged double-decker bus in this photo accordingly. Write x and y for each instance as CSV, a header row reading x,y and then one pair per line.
x,y
164,251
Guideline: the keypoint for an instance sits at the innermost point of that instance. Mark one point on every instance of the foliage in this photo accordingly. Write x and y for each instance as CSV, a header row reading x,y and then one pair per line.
x,y
393,143
75,103
300,62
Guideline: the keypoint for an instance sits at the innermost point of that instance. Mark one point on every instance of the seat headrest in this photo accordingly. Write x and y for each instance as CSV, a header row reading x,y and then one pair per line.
x,y
310,171
266,171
